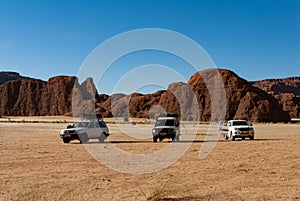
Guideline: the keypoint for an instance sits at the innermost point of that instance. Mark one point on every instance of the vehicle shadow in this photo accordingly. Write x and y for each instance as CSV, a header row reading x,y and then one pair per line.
x,y
188,141
182,141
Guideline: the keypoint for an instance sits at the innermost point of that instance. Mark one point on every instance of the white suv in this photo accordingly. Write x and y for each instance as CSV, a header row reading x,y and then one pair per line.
x,y
85,130
236,129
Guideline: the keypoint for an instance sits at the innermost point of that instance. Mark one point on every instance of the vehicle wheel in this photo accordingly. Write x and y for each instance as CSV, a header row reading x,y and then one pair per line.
x,y
155,138
102,138
251,138
177,138
83,138
160,139
225,137
243,138
232,137
66,140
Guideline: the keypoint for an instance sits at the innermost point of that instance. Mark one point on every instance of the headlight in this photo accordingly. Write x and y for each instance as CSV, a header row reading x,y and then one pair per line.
x,y
153,130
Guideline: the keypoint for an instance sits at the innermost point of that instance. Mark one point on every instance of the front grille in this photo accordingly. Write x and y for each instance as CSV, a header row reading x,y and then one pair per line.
x,y
244,129
166,130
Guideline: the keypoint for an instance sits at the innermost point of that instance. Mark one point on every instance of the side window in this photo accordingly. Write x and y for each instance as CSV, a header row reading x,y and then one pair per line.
x,y
102,124
91,125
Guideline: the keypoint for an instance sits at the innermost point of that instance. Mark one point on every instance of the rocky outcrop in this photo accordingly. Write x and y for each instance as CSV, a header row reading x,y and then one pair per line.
x,y
56,96
203,98
193,100
290,103
286,91
278,86
37,97
119,103
6,76
83,97
21,97
243,101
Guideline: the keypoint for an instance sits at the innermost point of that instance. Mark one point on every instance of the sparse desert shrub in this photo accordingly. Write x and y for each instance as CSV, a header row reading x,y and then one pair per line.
x,y
158,193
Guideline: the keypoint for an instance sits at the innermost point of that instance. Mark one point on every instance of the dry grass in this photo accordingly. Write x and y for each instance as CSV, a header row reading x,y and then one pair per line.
x,y
158,192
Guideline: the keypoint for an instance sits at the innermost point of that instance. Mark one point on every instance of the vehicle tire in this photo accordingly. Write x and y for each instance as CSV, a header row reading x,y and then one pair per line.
x,y
243,138
173,138
232,137
225,137
160,139
83,138
251,137
66,140
155,138
102,138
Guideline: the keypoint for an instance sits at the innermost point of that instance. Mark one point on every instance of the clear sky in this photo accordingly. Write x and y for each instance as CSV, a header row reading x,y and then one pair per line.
x,y
257,39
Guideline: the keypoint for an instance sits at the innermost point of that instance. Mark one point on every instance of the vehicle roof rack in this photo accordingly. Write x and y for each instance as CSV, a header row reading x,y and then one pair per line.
x,y
97,117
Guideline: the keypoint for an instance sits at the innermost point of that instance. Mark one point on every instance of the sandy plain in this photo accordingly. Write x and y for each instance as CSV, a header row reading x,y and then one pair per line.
x,y
37,165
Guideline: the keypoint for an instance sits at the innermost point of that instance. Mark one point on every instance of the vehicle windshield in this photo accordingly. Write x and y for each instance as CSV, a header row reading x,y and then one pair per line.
x,y
81,124
102,124
240,123
165,122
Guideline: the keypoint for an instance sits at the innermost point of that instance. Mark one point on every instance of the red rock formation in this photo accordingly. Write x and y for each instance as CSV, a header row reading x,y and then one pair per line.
x,y
286,91
37,97
289,103
83,98
21,97
193,101
243,100
56,96
6,76
277,86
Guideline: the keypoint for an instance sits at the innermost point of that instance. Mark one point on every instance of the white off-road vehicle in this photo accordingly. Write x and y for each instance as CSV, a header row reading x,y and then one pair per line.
x,y
236,129
85,130
167,126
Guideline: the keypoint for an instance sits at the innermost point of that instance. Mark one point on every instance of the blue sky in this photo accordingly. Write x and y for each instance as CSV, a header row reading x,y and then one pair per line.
x,y
257,39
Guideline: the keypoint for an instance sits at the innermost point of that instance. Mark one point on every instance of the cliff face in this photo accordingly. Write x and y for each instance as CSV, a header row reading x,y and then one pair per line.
x,y
289,103
37,97
21,97
6,76
63,95
278,86
243,101
286,91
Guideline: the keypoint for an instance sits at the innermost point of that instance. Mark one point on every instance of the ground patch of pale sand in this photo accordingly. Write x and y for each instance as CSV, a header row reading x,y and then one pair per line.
x,y
36,165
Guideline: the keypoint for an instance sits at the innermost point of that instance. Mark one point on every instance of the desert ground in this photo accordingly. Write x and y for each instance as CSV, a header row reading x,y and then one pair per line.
x,y
37,165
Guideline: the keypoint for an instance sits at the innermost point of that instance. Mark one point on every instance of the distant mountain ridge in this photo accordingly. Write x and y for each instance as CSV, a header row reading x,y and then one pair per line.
x,y
253,101
8,75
